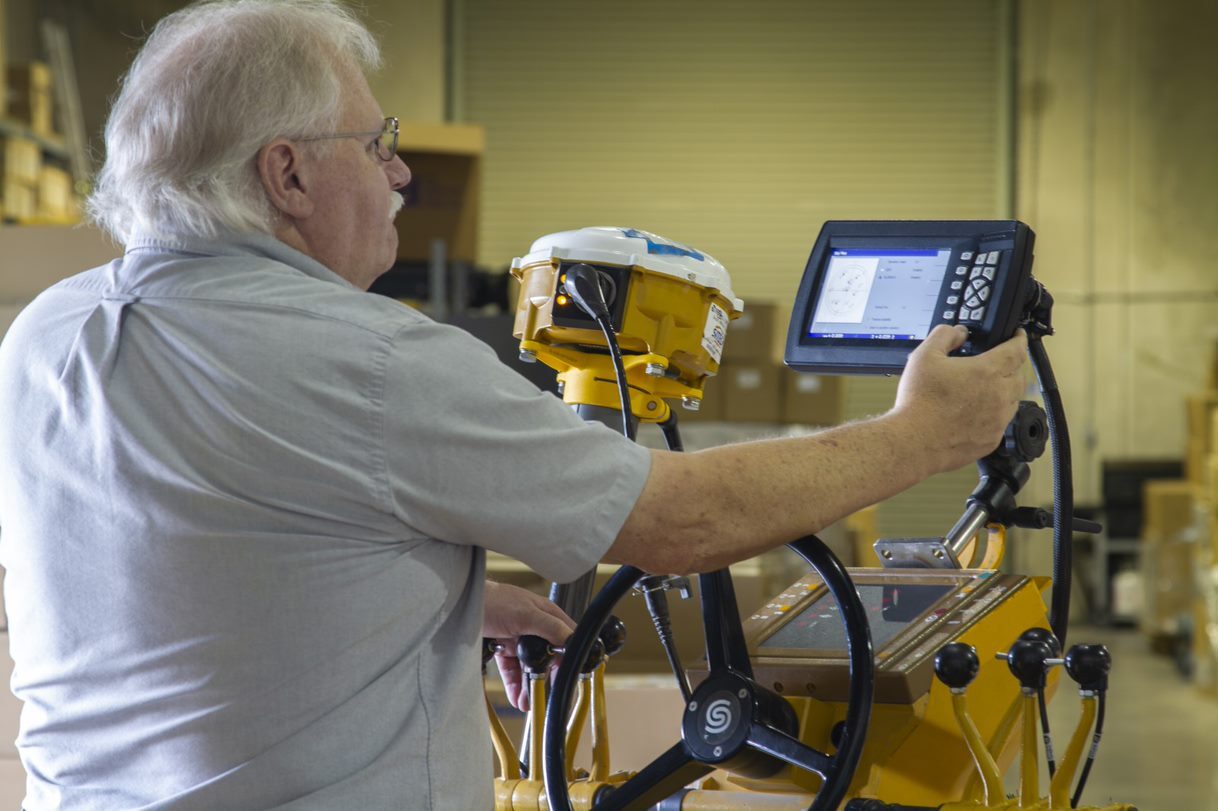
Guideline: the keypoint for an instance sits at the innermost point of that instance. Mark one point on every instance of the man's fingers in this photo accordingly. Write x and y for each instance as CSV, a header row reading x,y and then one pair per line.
x,y
944,339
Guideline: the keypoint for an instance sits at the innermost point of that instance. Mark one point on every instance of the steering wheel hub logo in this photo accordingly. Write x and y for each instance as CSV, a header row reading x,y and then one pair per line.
x,y
720,717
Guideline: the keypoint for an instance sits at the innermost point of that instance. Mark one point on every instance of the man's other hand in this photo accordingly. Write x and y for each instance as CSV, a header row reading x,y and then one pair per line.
x,y
963,404
512,612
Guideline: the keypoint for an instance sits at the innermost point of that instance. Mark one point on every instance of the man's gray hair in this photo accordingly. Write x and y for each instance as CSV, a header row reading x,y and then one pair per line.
x,y
212,85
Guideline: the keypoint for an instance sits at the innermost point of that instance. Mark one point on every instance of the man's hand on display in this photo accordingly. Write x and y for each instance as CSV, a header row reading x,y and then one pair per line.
x,y
962,404
510,613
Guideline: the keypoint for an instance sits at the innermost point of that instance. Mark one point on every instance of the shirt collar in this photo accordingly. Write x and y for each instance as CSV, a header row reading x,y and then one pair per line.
x,y
248,243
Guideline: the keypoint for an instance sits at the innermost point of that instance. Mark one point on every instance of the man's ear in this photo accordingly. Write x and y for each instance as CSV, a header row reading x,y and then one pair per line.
x,y
284,178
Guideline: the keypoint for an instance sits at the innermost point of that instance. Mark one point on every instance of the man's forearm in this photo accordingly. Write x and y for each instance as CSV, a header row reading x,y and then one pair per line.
x,y
704,510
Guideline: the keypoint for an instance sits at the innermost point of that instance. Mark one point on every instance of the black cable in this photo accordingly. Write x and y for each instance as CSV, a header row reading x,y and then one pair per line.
x,y
672,434
1044,725
583,285
1095,745
1063,491
619,369
657,607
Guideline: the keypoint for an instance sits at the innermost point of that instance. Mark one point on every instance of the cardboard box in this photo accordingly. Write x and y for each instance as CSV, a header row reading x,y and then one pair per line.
x,y
752,390
21,159
1201,408
863,532
1167,574
1167,509
18,200
56,195
812,399
31,97
750,336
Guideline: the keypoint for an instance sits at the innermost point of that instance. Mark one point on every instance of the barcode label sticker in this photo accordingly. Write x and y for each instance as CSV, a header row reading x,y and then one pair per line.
x,y
715,332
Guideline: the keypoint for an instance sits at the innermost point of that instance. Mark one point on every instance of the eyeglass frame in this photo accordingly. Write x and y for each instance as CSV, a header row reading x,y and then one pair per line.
x,y
390,128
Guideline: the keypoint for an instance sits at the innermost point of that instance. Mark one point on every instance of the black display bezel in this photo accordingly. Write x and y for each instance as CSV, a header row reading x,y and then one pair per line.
x,y
881,356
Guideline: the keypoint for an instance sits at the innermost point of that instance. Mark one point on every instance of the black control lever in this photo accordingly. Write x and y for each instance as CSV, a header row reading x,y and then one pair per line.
x,y
1036,518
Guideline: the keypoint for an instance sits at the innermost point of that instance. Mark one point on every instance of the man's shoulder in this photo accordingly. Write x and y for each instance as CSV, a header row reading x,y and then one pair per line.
x,y
251,284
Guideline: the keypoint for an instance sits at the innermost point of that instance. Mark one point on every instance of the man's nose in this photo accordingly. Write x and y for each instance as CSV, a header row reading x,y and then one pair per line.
x,y
398,173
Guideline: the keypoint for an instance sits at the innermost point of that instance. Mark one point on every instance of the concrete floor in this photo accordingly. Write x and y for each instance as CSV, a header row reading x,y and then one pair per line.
x,y
1160,745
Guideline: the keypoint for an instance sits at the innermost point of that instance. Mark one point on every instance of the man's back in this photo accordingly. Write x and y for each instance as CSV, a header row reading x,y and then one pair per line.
x,y
222,592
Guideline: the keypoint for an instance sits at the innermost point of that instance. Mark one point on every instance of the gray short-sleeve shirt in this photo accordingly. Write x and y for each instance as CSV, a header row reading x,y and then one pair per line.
x,y
244,508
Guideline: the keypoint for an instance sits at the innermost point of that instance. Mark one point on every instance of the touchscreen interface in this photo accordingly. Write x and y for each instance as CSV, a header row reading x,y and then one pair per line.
x,y
890,608
872,294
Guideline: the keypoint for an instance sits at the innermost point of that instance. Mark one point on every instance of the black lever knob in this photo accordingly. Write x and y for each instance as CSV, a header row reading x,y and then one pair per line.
x,y
956,665
534,653
1043,635
595,657
1089,665
613,635
1026,659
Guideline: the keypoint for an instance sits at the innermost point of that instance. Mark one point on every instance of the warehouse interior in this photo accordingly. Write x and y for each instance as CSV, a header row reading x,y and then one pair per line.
x,y
739,128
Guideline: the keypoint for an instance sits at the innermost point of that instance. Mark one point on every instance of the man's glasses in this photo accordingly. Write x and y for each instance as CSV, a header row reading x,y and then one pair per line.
x,y
385,145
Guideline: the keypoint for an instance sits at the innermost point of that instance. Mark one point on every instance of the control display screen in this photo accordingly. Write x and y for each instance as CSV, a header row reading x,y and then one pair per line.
x,y
890,609
871,294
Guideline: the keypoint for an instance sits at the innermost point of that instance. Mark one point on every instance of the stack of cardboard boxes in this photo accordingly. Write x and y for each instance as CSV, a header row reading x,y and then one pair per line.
x,y
1202,472
34,187
754,386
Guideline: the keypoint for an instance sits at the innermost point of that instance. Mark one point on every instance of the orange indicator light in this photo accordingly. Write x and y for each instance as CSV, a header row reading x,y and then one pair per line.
x,y
562,301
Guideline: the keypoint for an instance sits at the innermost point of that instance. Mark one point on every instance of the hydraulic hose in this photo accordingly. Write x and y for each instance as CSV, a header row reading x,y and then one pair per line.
x,y
1063,490
1095,745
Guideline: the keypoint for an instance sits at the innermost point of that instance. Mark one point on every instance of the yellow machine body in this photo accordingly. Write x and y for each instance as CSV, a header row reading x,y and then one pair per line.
x,y
671,329
915,753
926,745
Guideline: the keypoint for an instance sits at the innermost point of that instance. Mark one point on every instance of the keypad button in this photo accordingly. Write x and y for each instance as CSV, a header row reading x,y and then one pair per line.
x,y
957,285
992,259
977,314
953,300
975,274
966,255
973,301
949,315
988,273
984,294
961,270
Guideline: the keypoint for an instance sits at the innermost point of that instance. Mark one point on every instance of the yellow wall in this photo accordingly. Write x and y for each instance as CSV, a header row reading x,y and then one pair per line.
x,y
1118,127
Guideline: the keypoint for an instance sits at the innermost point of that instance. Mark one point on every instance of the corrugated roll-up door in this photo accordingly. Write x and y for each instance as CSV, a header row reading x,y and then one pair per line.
x,y
738,127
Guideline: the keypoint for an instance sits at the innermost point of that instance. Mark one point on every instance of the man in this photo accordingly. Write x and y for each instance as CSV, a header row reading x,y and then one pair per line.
x,y
245,504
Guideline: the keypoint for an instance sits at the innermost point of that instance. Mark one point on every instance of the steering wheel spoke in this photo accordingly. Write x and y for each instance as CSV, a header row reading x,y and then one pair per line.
x,y
661,778
765,738
725,645
730,721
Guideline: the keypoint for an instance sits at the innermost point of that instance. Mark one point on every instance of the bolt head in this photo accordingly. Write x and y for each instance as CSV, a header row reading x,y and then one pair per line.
x,y
655,369
693,706
528,356
743,693
691,403
718,751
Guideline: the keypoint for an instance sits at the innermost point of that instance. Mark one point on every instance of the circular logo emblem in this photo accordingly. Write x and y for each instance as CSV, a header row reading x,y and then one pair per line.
x,y
720,717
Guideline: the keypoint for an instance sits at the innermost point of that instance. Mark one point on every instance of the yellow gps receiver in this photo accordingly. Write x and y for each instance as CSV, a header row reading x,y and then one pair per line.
x,y
668,305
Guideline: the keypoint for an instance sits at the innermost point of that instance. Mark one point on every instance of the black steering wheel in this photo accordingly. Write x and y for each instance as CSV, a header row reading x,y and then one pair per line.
x,y
731,721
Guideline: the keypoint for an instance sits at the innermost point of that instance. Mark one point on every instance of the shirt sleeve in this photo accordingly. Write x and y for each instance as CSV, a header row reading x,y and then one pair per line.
x,y
478,455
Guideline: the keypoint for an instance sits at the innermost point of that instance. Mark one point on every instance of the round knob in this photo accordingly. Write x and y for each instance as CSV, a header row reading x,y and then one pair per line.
x,y
613,635
956,665
1027,661
1089,665
534,653
595,657
1043,635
